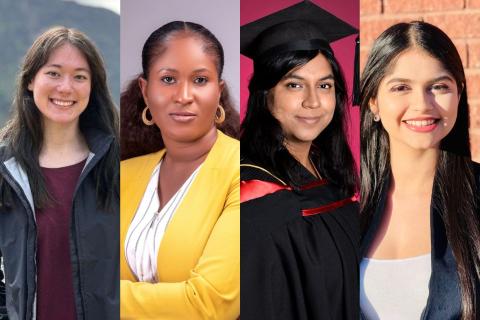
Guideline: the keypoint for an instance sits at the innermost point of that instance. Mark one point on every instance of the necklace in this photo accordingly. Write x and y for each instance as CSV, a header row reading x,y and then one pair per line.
x,y
317,174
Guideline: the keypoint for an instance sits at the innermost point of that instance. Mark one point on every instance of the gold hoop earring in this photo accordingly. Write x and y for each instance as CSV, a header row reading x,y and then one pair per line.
x,y
220,118
144,117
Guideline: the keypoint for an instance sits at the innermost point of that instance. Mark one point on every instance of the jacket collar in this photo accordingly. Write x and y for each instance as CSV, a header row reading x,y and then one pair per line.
x,y
98,142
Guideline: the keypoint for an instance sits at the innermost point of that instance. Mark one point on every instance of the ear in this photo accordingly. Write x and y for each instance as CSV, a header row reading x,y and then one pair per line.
x,y
142,83
373,105
30,86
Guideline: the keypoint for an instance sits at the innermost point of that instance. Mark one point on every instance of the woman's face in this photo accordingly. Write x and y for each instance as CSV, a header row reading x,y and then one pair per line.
x,y
303,101
417,101
183,90
61,88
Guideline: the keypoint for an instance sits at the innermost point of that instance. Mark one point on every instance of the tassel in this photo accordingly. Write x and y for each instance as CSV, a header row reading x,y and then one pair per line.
x,y
356,74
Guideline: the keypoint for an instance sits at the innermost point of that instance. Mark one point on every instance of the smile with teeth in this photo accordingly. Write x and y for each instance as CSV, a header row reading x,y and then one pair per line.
x,y
62,103
420,123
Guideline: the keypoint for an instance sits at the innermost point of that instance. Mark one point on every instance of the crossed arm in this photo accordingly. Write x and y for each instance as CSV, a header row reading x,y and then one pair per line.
x,y
213,289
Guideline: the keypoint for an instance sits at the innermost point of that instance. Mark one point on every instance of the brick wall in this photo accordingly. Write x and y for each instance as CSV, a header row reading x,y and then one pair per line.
x,y
460,19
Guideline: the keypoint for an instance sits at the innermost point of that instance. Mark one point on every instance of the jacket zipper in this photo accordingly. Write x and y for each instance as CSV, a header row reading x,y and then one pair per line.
x,y
83,174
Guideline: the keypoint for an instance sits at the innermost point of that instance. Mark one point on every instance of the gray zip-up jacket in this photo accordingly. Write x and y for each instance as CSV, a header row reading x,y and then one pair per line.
x,y
94,243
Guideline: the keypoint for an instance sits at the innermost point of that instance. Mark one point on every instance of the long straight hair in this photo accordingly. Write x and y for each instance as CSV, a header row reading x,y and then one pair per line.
x,y
23,133
262,137
454,171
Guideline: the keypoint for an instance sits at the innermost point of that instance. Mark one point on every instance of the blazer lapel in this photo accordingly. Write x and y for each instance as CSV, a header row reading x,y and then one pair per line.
x,y
191,224
131,194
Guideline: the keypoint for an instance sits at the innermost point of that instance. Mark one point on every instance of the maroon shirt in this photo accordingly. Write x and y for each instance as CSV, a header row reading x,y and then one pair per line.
x,y
55,297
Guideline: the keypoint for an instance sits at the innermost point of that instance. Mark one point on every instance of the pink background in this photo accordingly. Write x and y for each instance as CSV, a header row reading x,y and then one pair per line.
x,y
348,11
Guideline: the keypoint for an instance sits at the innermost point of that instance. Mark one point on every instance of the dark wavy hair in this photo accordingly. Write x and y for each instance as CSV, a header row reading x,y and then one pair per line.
x,y
454,178
139,139
262,137
23,133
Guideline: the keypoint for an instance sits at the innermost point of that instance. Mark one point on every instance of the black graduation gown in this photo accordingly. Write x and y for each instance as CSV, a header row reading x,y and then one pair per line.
x,y
444,299
299,249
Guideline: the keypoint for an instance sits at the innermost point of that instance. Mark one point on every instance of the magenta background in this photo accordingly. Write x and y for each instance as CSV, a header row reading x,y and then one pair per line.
x,y
347,10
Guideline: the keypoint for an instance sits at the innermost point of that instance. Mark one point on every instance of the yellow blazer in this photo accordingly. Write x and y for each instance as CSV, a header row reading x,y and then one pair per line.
x,y
199,257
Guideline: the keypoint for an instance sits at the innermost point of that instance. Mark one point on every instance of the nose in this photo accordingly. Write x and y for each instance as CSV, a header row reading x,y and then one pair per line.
x,y
184,94
422,101
65,85
311,99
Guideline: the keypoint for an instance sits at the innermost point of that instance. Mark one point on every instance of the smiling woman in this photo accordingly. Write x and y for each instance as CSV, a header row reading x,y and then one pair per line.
x,y
299,217
59,185
420,190
412,100
303,101
61,88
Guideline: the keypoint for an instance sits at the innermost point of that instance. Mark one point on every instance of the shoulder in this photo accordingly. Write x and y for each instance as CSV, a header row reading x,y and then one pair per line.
x,y
227,147
251,171
140,162
224,156
257,182
5,154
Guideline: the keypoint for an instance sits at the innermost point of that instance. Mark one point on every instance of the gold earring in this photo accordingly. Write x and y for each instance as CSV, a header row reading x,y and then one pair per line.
x,y
144,117
220,118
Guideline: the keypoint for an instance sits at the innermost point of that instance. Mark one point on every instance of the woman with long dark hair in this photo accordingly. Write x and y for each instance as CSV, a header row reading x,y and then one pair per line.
x,y
180,196
299,216
59,185
420,190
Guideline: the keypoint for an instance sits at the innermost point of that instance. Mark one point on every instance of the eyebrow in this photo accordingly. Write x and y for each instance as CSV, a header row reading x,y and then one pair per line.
x,y
176,71
60,66
201,70
441,78
167,69
295,76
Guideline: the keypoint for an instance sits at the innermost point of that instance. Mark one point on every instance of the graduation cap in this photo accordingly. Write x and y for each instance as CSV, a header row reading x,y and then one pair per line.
x,y
303,26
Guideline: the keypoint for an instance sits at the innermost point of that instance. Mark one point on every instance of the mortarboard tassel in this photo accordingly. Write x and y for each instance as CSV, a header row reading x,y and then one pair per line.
x,y
356,74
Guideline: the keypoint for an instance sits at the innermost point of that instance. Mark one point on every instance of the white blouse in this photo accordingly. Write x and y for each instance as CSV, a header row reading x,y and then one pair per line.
x,y
394,289
148,226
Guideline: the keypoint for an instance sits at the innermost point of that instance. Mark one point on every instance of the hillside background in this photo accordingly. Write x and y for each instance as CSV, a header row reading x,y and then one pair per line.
x,y
22,21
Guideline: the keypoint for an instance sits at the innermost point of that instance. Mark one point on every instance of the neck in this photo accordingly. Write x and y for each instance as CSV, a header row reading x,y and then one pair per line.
x,y
190,151
413,170
59,137
300,151
63,144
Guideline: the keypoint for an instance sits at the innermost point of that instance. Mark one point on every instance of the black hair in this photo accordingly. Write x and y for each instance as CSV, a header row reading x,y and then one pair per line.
x,y
139,139
262,137
454,170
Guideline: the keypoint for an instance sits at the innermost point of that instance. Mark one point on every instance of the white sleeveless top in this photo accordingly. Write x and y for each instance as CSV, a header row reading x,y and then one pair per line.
x,y
394,289
148,226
